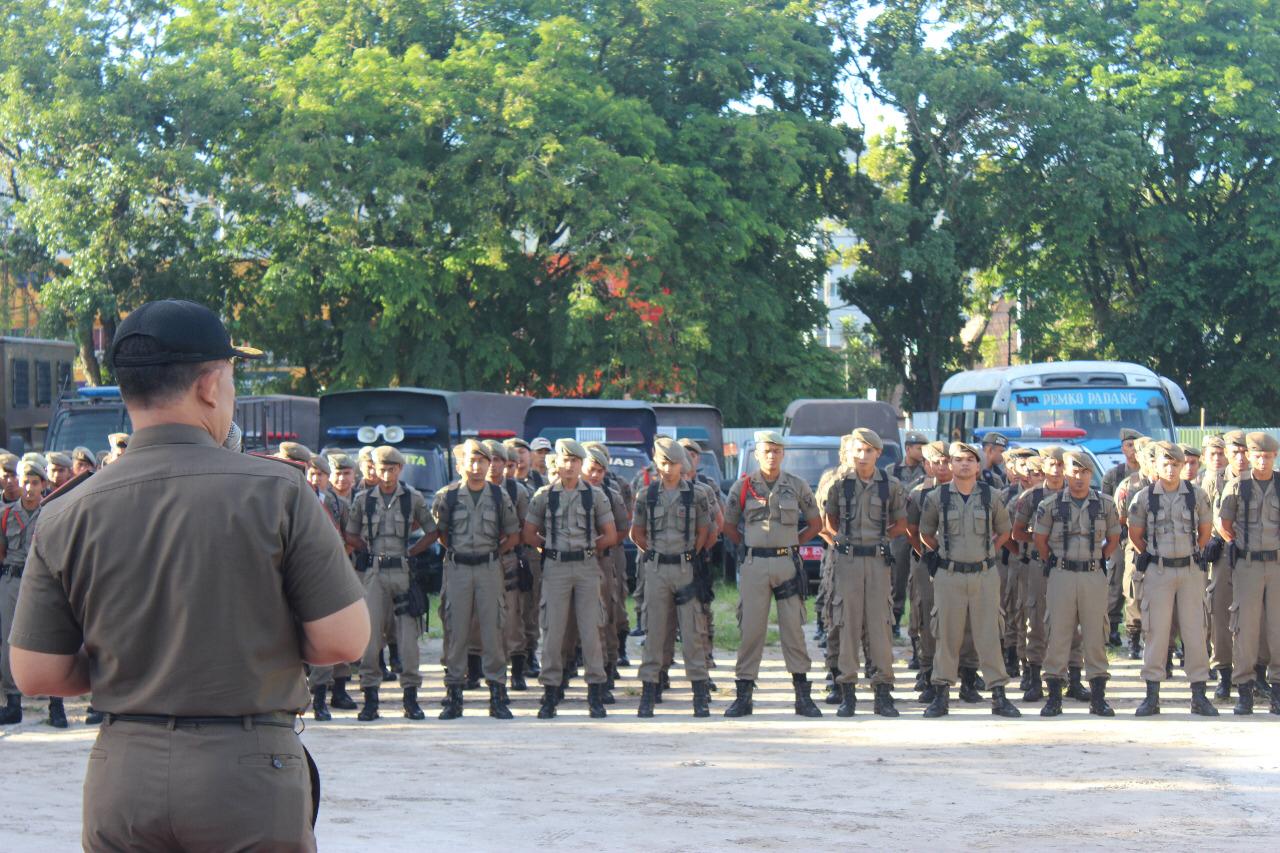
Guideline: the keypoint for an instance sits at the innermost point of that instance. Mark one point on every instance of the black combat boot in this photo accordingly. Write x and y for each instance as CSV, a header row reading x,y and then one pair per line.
x,y
412,710
393,658
547,709
318,707
914,663
531,666
1011,662
930,691
1244,704
1151,704
664,680
1024,683
1135,645
638,630
517,673
1053,704
884,702
475,673
341,699
922,680
701,699
623,660
1168,664
1275,697
979,682
1098,703
595,700
370,709
1075,687
1034,692
848,700
647,690
1000,704
387,675
57,714
606,692
1224,683
1200,703
833,689
941,704
1260,686
804,703
741,706
498,701
968,688
1113,639
12,712
92,716
452,702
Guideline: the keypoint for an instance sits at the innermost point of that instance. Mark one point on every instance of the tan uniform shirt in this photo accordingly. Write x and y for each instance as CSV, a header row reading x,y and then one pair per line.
x,y
479,520
182,558
1049,522
915,499
864,518
1023,514
570,527
1173,533
772,513
1264,513
523,495
1124,493
971,528
18,526
389,527
667,531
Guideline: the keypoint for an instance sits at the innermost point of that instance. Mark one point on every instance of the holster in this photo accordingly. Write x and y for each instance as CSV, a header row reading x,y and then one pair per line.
x,y
801,582
524,574
1212,552
1233,554
364,560
702,577
1050,564
931,561
686,593
1143,560
886,552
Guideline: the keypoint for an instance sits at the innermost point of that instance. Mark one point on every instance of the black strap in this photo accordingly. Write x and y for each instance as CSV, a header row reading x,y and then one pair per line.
x,y
651,504
985,491
1064,515
588,501
1153,507
944,495
512,491
1189,495
406,507
882,486
553,507
1246,493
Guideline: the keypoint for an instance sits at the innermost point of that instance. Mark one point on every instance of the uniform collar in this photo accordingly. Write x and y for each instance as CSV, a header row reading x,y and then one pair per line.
x,y
170,434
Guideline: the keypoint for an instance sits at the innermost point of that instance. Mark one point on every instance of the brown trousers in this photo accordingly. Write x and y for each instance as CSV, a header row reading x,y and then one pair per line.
x,y
662,584
757,576
1013,601
1220,593
1076,601
922,610
8,605
474,593
863,603
974,597
1254,618
1167,592
197,788
381,588
530,602
1038,616
571,589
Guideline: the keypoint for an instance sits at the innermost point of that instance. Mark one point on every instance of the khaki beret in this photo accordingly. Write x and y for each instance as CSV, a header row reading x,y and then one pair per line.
x,y
496,450
998,439
690,444
1032,465
959,448
1079,458
116,438
474,445
1188,450
935,450
387,455
1015,453
1263,442
341,462
319,461
366,452
1141,442
84,454
665,447
1053,451
32,456
1235,437
57,458
540,443
295,451
1213,441
768,436
915,437
1127,434
8,463
599,454
516,442
32,466
1169,449
570,447
867,436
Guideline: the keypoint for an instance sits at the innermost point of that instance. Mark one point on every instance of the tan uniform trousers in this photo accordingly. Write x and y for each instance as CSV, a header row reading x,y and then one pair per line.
x,y
513,604
826,599
323,676
863,604
475,592
664,583
197,788
1013,601
973,596
1253,620
921,610
8,604
531,601
1038,616
1168,591
900,550
1077,601
381,589
1220,592
757,576
1133,580
609,598
571,589
1115,583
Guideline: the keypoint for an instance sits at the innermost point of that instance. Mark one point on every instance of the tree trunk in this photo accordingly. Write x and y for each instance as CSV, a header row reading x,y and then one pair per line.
x,y
88,357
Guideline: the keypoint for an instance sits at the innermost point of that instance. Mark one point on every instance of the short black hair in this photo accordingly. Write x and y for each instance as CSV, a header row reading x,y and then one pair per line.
x,y
155,384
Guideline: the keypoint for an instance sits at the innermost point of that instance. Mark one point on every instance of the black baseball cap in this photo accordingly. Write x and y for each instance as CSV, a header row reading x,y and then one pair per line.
x,y
184,332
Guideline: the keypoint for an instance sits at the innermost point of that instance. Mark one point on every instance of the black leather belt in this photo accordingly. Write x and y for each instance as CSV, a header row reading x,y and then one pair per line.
x,y
967,568
472,559
280,719
1078,565
389,562
851,550
1258,556
673,559
769,552
1174,562
568,556
12,571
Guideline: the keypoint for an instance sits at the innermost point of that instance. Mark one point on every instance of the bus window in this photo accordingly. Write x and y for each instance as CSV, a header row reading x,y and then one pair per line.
x,y
1101,413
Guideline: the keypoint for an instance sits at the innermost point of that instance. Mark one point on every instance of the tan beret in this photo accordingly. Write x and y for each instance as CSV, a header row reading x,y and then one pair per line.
x,y
1169,449
959,448
387,455
867,436
516,442
665,447
1032,464
496,450
1263,442
319,461
1213,441
1235,438
935,451
1079,458
768,436
341,462
1188,450
1053,451
32,466
599,454
690,445
570,447
1128,434
84,454
1015,453
295,451
57,458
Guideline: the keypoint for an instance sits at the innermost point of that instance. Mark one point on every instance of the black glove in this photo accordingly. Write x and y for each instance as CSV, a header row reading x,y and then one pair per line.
x,y
1212,552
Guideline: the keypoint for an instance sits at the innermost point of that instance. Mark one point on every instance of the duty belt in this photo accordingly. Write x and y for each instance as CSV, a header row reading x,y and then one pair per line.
x,y
673,559
1174,562
1257,556
769,552
967,568
568,556
385,562
11,571
472,559
280,719
851,550
1078,565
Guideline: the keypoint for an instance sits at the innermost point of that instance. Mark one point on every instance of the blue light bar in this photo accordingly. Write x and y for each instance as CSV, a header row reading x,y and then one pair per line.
x,y
419,432
343,432
102,392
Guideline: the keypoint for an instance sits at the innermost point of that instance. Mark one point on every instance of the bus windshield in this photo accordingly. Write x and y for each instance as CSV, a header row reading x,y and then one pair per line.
x,y
1100,412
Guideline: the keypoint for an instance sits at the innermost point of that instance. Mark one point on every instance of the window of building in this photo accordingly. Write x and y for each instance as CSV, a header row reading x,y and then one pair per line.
x,y
20,379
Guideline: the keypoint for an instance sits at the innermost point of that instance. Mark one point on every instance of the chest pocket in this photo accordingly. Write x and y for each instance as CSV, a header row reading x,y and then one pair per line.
x,y
390,522
1175,517
755,510
1271,507
978,516
788,509
672,518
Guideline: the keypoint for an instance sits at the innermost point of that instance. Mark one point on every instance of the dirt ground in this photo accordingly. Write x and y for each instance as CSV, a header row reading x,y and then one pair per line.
x,y
770,782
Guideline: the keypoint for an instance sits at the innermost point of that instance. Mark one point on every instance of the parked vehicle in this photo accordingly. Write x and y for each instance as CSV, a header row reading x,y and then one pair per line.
x,y
35,373
812,417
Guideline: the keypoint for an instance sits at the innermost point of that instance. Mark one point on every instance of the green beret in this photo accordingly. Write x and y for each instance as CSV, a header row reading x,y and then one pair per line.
x,y
539,443
84,454
387,455
366,452
935,451
516,442
690,444
768,436
1188,450
295,451
474,445
1235,438
32,466
342,462
570,447
915,437
1264,442
1213,441
319,461
8,463
867,436
599,454
1053,451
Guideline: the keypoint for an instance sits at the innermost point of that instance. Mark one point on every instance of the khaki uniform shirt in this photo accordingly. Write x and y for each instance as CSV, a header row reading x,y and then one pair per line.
x,y
971,528
1124,493
1048,521
771,515
1023,514
915,500
1264,513
19,527
571,532
478,523
667,531
1113,478
390,528
908,475
866,517
1213,482
521,501
1174,532
179,558
621,514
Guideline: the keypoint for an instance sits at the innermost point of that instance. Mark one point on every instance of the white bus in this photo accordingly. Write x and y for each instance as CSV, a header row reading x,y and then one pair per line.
x,y
1085,401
